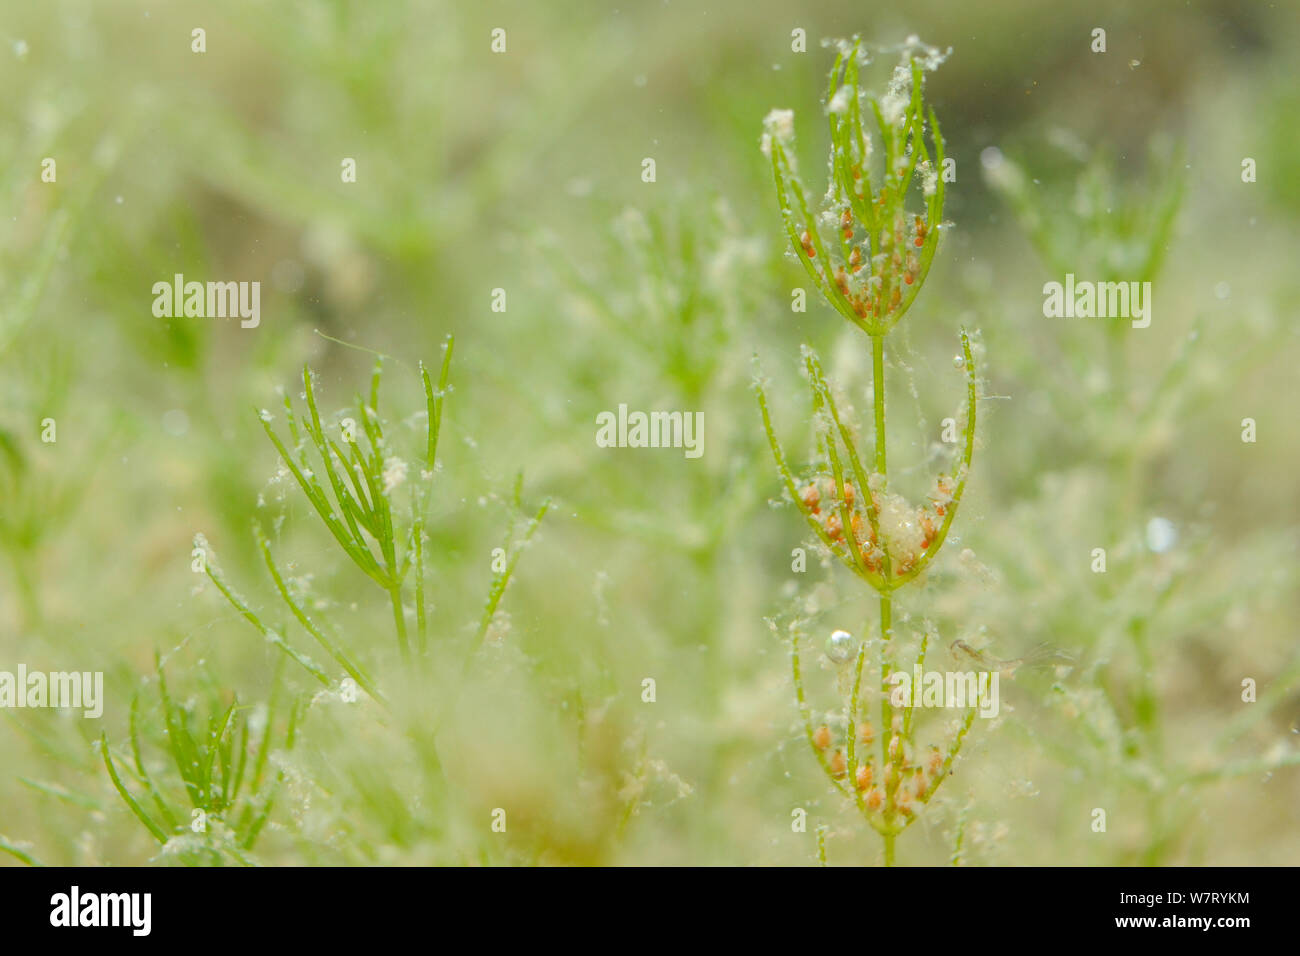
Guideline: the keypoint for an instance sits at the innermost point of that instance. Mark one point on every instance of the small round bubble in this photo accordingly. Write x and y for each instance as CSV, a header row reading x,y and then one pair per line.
x,y
840,646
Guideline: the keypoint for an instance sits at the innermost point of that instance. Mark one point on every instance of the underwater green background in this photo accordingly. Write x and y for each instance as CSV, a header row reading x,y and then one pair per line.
x,y
522,171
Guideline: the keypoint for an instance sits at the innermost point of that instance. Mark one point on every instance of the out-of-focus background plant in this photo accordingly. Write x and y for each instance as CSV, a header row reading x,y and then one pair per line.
x,y
522,171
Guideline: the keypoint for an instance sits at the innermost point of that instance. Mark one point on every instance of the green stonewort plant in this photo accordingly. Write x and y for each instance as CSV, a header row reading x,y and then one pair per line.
x,y
359,510
351,470
869,256
214,806
660,297
37,389
39,500
1102,229
1146,601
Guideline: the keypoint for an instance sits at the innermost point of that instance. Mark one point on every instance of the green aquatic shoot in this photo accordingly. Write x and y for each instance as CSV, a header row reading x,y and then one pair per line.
x,y
869,255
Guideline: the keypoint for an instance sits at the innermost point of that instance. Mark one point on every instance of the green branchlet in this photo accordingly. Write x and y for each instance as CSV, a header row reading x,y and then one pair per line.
x,y
220,765
878,254
357,504
356,501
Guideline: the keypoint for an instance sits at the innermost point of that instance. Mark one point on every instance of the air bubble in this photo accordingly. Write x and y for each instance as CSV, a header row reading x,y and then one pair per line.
x,y
1161,534
840,646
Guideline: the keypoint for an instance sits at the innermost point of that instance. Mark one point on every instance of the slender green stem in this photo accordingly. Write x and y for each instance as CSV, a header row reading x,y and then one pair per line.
x,y
886,708
399,620
806,713
19,855
960,473
886,601
503,577
878,395
853,720
308,625
959,843
135,808
240,605
421,621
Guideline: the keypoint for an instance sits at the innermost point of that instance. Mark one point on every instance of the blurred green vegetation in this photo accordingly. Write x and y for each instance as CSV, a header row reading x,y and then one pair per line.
x,y
522,171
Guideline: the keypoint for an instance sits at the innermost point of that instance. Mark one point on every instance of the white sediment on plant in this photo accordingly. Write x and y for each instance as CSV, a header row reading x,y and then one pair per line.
x,y
839,103
929,178
778,125
394,474
899,526
893,105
